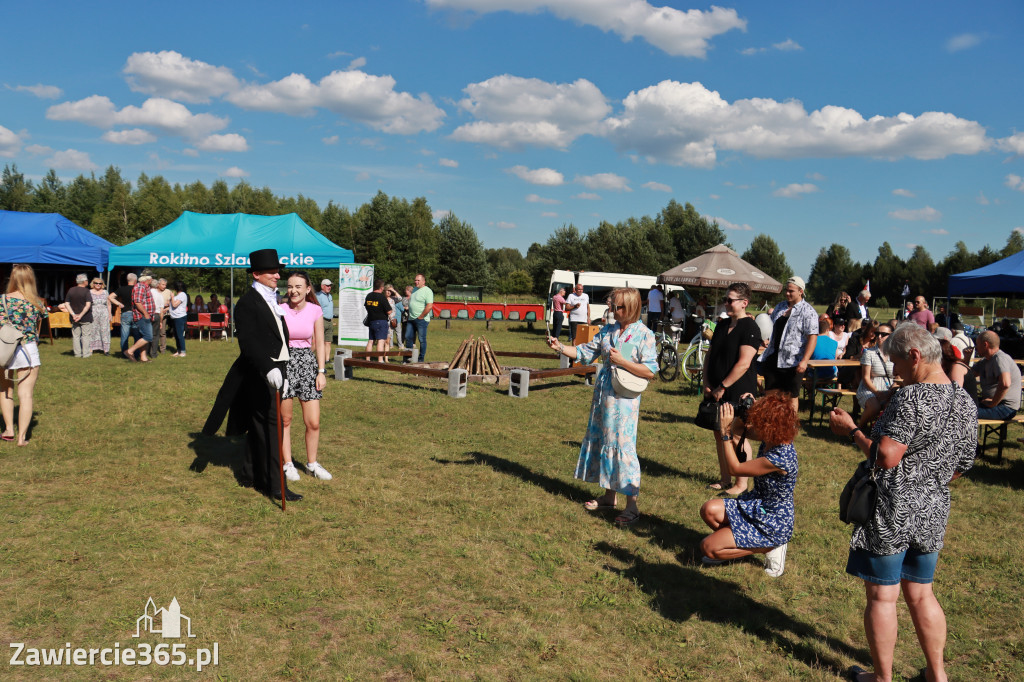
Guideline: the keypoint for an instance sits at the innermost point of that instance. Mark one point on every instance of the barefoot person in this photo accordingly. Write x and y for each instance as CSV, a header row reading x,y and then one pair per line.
x,y
608,455
306,373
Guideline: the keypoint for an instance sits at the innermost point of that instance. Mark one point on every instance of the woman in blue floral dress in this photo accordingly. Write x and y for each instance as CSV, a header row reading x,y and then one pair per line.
x,y
608,455
759,521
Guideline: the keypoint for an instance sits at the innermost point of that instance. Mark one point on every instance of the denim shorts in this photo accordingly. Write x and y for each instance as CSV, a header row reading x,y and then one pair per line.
x,y
145,328
379,330
910,565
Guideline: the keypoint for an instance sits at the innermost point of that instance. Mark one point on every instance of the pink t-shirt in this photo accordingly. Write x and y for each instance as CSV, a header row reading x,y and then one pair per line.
x,y
301,324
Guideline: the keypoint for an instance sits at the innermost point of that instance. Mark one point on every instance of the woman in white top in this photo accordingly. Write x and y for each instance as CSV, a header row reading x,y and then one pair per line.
x,y
179,311
876,371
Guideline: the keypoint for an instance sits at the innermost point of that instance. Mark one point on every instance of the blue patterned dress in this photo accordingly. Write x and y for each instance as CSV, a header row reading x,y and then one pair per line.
x,y
763,517
608,455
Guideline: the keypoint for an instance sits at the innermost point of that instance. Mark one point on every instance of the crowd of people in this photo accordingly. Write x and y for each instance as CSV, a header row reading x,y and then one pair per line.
x,y
917,428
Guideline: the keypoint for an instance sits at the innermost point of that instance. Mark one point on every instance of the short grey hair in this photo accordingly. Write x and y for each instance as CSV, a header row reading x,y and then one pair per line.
x,y
132,277
911,335
81,278
162,280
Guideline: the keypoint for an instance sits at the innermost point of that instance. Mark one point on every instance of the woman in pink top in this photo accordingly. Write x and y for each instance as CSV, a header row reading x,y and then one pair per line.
x,y
306,373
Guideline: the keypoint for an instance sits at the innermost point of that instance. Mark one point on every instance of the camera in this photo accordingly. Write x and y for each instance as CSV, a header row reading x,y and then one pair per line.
x,y
743,406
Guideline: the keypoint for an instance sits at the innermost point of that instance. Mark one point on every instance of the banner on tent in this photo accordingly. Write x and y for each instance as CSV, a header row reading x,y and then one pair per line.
x,y
232,260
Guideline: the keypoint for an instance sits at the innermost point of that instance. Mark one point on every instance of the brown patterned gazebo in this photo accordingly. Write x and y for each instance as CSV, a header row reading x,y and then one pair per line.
x,y
718,267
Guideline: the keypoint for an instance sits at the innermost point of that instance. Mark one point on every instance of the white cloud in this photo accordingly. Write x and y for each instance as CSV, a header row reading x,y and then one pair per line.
x,y
607,181
656,186
439,214
964,41
714,196
190,152
232,142
333,139
1015,182
235,172
787,45
538,199
548,214
513,112
170,74
339,53
537,176
166,116
357,63
39,90
10,142
130,136
1019,229
448,163
728,225
1013,144
817,177
904,193
502,225
38,149
982,199
589,196
927,213
685,124
371,100
677,32
362,177
71,159
795,190
937,230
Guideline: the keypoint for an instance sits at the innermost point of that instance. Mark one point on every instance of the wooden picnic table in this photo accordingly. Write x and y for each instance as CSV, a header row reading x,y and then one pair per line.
x,y
814,364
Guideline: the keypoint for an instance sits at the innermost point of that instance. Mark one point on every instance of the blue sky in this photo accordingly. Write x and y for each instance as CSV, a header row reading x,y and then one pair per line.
x,y
814,123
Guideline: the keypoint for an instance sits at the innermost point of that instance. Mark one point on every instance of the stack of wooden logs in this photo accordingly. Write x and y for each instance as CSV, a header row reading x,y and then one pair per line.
x,y
476,357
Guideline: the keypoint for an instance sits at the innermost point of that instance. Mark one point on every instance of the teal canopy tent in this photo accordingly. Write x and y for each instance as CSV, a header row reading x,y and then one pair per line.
x,y
199,240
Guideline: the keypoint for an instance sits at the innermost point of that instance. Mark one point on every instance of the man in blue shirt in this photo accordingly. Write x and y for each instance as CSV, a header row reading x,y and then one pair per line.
x,y
326,302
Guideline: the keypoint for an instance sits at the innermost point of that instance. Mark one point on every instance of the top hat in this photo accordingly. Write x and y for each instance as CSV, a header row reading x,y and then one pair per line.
x,y
264,259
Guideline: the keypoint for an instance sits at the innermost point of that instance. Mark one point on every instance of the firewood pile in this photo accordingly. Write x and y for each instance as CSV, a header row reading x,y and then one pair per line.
x,y
476,357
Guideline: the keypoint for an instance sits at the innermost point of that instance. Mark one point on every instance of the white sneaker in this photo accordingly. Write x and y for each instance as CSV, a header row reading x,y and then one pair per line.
x,y
290,472
775,561
318,471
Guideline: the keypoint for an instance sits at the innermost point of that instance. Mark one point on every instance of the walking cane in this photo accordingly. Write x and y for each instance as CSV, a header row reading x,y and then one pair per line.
x,y
280,445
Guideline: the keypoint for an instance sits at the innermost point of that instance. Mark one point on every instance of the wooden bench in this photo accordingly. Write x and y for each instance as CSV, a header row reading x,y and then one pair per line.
x,y
997,428
832,397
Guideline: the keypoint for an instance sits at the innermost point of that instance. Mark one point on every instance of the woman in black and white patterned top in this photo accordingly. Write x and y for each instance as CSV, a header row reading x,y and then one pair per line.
x,y
925,438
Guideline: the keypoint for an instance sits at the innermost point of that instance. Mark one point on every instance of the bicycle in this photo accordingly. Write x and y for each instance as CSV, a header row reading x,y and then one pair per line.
x,y
667,343
692,360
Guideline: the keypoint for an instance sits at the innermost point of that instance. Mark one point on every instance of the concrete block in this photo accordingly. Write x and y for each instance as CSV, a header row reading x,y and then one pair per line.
x,y
341,371
519,383
457,381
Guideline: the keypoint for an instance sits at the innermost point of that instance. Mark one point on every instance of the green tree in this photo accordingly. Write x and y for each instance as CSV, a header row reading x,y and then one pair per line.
x,y
464,260
338,225
763,253
564,250
15,190
112,217
887,274
50,195
692,233
833,271
83,199
921,274
1014,244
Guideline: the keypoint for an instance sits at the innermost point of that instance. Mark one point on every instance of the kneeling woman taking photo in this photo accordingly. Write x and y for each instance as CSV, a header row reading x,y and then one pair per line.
x,y
759,521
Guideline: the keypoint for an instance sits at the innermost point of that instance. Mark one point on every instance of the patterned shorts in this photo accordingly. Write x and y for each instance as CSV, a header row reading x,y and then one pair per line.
x,y
302,371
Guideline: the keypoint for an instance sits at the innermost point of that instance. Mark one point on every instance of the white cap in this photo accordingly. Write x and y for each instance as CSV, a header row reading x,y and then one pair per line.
x,y
325,281
797,280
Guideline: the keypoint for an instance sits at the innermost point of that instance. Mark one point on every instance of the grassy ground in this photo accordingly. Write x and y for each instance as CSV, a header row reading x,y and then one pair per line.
x,y
451,543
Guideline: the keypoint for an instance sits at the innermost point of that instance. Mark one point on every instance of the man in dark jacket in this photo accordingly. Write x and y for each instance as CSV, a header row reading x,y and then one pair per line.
x,y
257,375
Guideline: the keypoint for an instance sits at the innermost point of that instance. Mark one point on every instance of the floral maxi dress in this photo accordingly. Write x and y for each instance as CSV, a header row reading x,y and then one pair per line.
x,y
608,454
100,322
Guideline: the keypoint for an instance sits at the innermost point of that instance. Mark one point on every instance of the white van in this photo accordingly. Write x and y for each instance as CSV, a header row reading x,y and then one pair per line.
x,y
598,285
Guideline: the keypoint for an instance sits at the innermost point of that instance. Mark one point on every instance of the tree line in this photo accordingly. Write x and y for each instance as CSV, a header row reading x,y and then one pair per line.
x,y
402,237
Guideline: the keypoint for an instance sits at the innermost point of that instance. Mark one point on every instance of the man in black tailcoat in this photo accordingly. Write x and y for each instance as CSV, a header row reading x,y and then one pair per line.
x,y
251,385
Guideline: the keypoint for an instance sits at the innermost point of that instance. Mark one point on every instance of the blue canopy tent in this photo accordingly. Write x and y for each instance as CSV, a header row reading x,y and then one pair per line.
x,y
49,238
200,240
1005,276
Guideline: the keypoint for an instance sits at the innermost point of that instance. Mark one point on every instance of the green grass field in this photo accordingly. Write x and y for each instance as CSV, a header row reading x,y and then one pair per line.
x,y
451,543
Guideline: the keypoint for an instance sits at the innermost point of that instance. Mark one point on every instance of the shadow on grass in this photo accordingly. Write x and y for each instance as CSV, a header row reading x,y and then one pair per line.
x,y
419,387
680,592
32,423
1006,474
666,534
664,417
220,451
651,467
